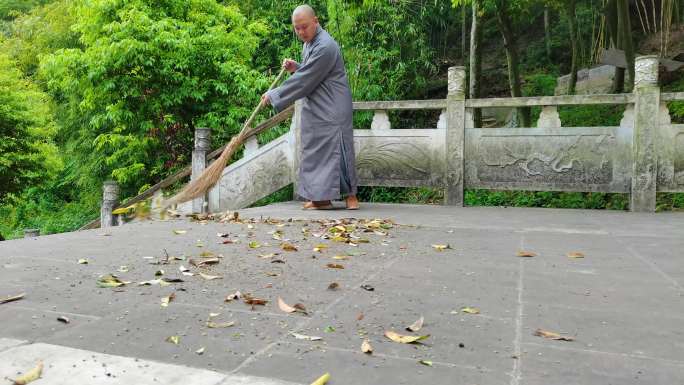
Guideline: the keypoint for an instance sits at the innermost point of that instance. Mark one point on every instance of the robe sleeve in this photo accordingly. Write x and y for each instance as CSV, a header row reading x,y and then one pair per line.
x,y
305,80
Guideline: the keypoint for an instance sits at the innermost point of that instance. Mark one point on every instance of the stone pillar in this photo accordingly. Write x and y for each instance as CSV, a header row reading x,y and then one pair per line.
x,y
455,137
199,163
646,109
110,198
295,130
30,233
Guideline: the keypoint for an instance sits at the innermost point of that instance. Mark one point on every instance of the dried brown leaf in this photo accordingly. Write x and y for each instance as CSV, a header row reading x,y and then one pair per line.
x,y
404,339
366,347
30,376
335,266
526,254
285,307
575,254
333,286
12,298
551,335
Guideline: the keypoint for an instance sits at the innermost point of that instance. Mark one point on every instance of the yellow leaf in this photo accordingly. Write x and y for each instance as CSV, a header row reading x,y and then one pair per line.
x,y
551,335
526,254
178,232
217,325
165,300
110,280
12,298
206,254
210,277
322,380
470,310
173,339
288,247
123,210
31,375
366,347
341,257
403,339
441,247
320,247
82,261
335,266
414,327
254,245
425,362
575,254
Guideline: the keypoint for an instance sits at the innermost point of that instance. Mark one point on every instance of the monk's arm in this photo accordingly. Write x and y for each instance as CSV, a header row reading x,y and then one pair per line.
x,y
305,80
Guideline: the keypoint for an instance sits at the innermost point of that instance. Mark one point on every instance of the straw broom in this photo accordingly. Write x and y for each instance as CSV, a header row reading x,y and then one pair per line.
x,y
211,174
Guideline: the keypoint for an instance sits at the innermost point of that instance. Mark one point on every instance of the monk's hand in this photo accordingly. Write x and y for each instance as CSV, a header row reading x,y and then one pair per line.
x,y
290,65
265,101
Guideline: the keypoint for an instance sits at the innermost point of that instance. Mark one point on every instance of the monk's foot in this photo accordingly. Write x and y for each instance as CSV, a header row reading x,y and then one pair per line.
x,y
352,203
317,205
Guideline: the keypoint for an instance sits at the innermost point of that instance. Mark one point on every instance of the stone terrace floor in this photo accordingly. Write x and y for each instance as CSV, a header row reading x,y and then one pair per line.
x,y
622,303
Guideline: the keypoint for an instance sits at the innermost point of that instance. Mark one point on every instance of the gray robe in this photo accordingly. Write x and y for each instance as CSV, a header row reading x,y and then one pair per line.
x,y
327,168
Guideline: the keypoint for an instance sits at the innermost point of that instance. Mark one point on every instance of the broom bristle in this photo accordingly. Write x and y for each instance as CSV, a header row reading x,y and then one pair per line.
x,y
206,179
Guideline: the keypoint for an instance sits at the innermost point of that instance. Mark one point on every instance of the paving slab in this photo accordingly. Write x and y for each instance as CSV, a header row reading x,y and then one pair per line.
x,y
623,302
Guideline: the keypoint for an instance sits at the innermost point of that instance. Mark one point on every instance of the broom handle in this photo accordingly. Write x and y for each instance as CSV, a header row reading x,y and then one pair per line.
x,y
261,104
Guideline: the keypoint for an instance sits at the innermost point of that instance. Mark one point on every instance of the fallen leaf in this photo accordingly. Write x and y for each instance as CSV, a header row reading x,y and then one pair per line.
x,y
31,375
288,247
159,273
333,286
178,232
441,247
63,319
205,261
173,339
254,245
329,329
82,261
110,280
470,310
403,339
425,362
367,287
272,274
278,261
305,337
320,247
218,325
359,317
551,335
266,256
335,266
166,300
366,347
171,280
234,296
206,254
300,308
322,380
341,257
200,351
575,254
526,254
254,301
414,327
210,277
123,269
285,307
12,298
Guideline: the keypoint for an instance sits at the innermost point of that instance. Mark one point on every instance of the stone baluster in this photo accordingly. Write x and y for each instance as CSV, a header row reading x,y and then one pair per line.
x,y
381,121
455,137
199,163
646,110
549,118
110,198
30,233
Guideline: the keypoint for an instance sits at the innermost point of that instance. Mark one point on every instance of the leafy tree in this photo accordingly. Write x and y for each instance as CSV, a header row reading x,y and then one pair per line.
x,y
27,154
148,73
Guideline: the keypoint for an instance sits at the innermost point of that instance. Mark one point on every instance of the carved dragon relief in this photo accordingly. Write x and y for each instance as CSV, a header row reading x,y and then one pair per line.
x,y
255,180
393,160
544,162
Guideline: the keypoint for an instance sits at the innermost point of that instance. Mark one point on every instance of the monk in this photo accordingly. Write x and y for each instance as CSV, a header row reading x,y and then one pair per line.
x,y
327,168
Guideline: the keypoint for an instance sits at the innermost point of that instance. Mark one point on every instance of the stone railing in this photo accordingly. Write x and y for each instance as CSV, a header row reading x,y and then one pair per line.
x,y
642,155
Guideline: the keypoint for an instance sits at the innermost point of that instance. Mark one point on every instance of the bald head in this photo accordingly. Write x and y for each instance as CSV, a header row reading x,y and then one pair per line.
x,y
304,10
305,22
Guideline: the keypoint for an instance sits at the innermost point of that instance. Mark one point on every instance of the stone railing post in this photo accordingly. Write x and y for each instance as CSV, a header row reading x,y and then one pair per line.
x,y
296,130
110,197
646,108
199,163
455,137
30,233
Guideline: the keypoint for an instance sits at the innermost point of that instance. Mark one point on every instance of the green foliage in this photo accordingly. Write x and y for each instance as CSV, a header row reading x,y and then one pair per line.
x,y
547,199
27,154
148,73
